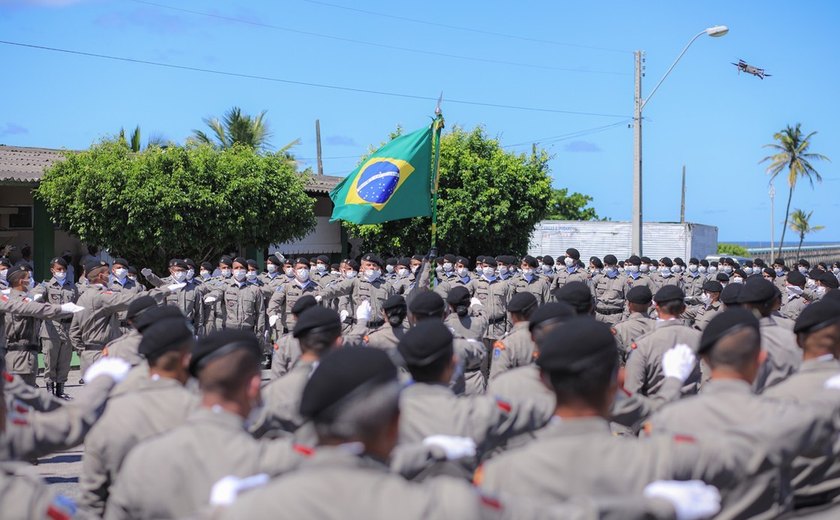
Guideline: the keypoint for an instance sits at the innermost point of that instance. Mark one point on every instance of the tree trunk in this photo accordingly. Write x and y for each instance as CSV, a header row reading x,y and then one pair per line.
x,y
799,249
787,215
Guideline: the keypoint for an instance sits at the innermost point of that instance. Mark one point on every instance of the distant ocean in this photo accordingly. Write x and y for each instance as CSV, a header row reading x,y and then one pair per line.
x,y
788,243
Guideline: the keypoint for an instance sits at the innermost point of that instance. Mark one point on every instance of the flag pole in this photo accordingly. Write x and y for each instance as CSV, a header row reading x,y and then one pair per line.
x,y
437,126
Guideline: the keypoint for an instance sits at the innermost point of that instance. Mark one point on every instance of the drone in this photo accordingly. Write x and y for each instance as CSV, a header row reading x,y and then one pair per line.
x,y
743,66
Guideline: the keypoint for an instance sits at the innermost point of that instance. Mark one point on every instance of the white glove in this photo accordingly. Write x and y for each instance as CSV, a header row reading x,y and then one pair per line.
x,y
454,447
692,499
175,287
37,297
210,299
115,368
363,311
71,307
475,301
271,319
343,315
224,492
679,362
146,272
318,298
833,383
5,291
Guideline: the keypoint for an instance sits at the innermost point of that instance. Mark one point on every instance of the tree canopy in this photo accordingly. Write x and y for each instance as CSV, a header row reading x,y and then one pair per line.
x,y
489,201
563,206
193,201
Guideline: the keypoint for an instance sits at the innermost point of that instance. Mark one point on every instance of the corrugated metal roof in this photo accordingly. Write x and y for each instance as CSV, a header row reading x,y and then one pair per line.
x,y
26,165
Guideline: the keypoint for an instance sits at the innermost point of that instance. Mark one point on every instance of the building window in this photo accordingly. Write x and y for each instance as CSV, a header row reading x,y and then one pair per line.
x,y
16,217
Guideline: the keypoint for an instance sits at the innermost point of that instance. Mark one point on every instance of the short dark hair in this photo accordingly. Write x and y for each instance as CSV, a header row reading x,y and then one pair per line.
x,y
590,385
228,374
736,350
673,307
319,342
432,372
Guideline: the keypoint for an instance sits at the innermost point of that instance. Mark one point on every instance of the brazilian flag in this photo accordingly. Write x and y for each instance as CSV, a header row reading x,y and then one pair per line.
x,y
392,184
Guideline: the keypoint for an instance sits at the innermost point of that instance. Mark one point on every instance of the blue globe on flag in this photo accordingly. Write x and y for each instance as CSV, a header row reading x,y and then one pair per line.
x,y
378,182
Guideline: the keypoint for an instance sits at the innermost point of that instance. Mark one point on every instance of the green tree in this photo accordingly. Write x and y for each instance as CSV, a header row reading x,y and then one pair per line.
x,y
177,201
489,201
792,155
235,128
563,206
134,141
800,222
732,250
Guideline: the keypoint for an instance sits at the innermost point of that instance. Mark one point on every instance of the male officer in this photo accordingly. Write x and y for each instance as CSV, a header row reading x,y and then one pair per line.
x,y
610,292
54,334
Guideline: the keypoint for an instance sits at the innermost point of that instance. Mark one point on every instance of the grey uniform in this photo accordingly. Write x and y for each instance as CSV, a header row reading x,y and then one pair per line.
x,y
189,300
538,285
157,406
783,354
643,371
515,349
565,276
376,292
494,296
816,474
792,305
125,347
628,330
473,325
128,285
385,336
179,468
284,298
21,350
280,415
707,315
286,354
54,334
25,496
243,307
693,286
609,294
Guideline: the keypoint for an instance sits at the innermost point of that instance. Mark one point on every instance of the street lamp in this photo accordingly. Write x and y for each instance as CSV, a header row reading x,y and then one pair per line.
x,y
640,103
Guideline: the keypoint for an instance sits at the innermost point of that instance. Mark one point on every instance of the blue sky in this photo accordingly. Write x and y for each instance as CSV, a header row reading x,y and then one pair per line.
x,y
555,56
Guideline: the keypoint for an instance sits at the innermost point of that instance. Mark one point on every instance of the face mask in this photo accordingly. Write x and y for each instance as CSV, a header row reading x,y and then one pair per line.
x,y
803,270
320,268
120,273
190,274
439,270
60,275
32,283
414,268
132,278
820,291
402,272
727,269
389,269
569,261
611,272
503,270
205,274
632,268
644,268
621,270
737,279
793,290
811,282
548,268
463,272
702,268
747,270
251,275
705,298
712,269
528,273
372,274
665,271
302,275
225,272
290,271
676,269
335,272
179,276
780,272
835,270
3,274
240,274
447,267
350,274
271,268
488,272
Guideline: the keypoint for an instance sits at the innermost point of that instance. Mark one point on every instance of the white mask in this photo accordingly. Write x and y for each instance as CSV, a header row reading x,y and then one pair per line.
x,y
290,271
190,274
389,269
414,268
503,270
463,272
60,275
665,271
271,268
528,273
350,274
205,274
705,298
302,275
621,270
569,261
447,267
402,272
726,269
132,278
794,290
372,275
226,273
488,272
644,268
632,268
737,279
251,275
803,270
712,269
811,282
693,268
835,270
820,291
676,269
240,274
179,276
321,268
120,273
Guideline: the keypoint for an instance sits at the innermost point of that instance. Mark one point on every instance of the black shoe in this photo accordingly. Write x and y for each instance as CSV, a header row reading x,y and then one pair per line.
x,y
81,381
59,392
51,387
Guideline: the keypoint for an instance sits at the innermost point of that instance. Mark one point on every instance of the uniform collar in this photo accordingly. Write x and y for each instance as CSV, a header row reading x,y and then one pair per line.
x,y
344,455
726,386
585,426
826,363
668,323
218,415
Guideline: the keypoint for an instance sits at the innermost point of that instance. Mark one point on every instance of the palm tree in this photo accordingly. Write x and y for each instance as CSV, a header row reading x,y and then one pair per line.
x,y
134,141
234,128
800,223
792,154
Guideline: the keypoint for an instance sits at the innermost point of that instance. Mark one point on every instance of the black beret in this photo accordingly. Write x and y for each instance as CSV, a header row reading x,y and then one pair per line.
x,y
757,290
323,258
645,260
704,263
770,272
597,262
427,303
829,280
190,263
121,261
226,260
576,345
779,261
804,263
479,259
425,343
449,258
796,278
164,335
252,263
177,262
152,315
722,277
5,261
813,273
667,261
724,324
831,296
131,269
547,260
459,295
240,260
60,261
490,261
572,252
576,294
16,272
304,302
712,286
530,260
90,265
274,259
639,294
221,343
316,319
340,375
817,316
370,257
610,260
731,293
506,259
634,260
334,267
301,260
679,261
207,265
394,302
137,306
404,261
669,293
739,272
521,302
352,264
693,260
551,312
463,260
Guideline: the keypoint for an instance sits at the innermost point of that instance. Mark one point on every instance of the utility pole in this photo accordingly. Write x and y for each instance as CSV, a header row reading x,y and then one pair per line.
x,y
318,145
682,200
772,194
636,221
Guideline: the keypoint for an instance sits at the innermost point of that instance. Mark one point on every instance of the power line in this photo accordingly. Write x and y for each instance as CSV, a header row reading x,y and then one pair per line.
x,y
306,83
469,29
374,44
571,135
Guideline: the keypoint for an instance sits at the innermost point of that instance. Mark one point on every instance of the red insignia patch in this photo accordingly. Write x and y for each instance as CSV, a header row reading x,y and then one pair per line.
x,y
503,405
306,451
633,346
8,377
491,502
685,438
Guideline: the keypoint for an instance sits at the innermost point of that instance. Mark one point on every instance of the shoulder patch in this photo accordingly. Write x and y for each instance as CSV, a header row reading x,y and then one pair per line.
x,y
61,508
306,451
503,405
498,345
478,475
276,346
682,438
633,346
614,332
490,502
8,377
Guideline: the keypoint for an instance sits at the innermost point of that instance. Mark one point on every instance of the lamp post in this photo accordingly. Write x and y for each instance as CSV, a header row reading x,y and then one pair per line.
x,y
639,105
